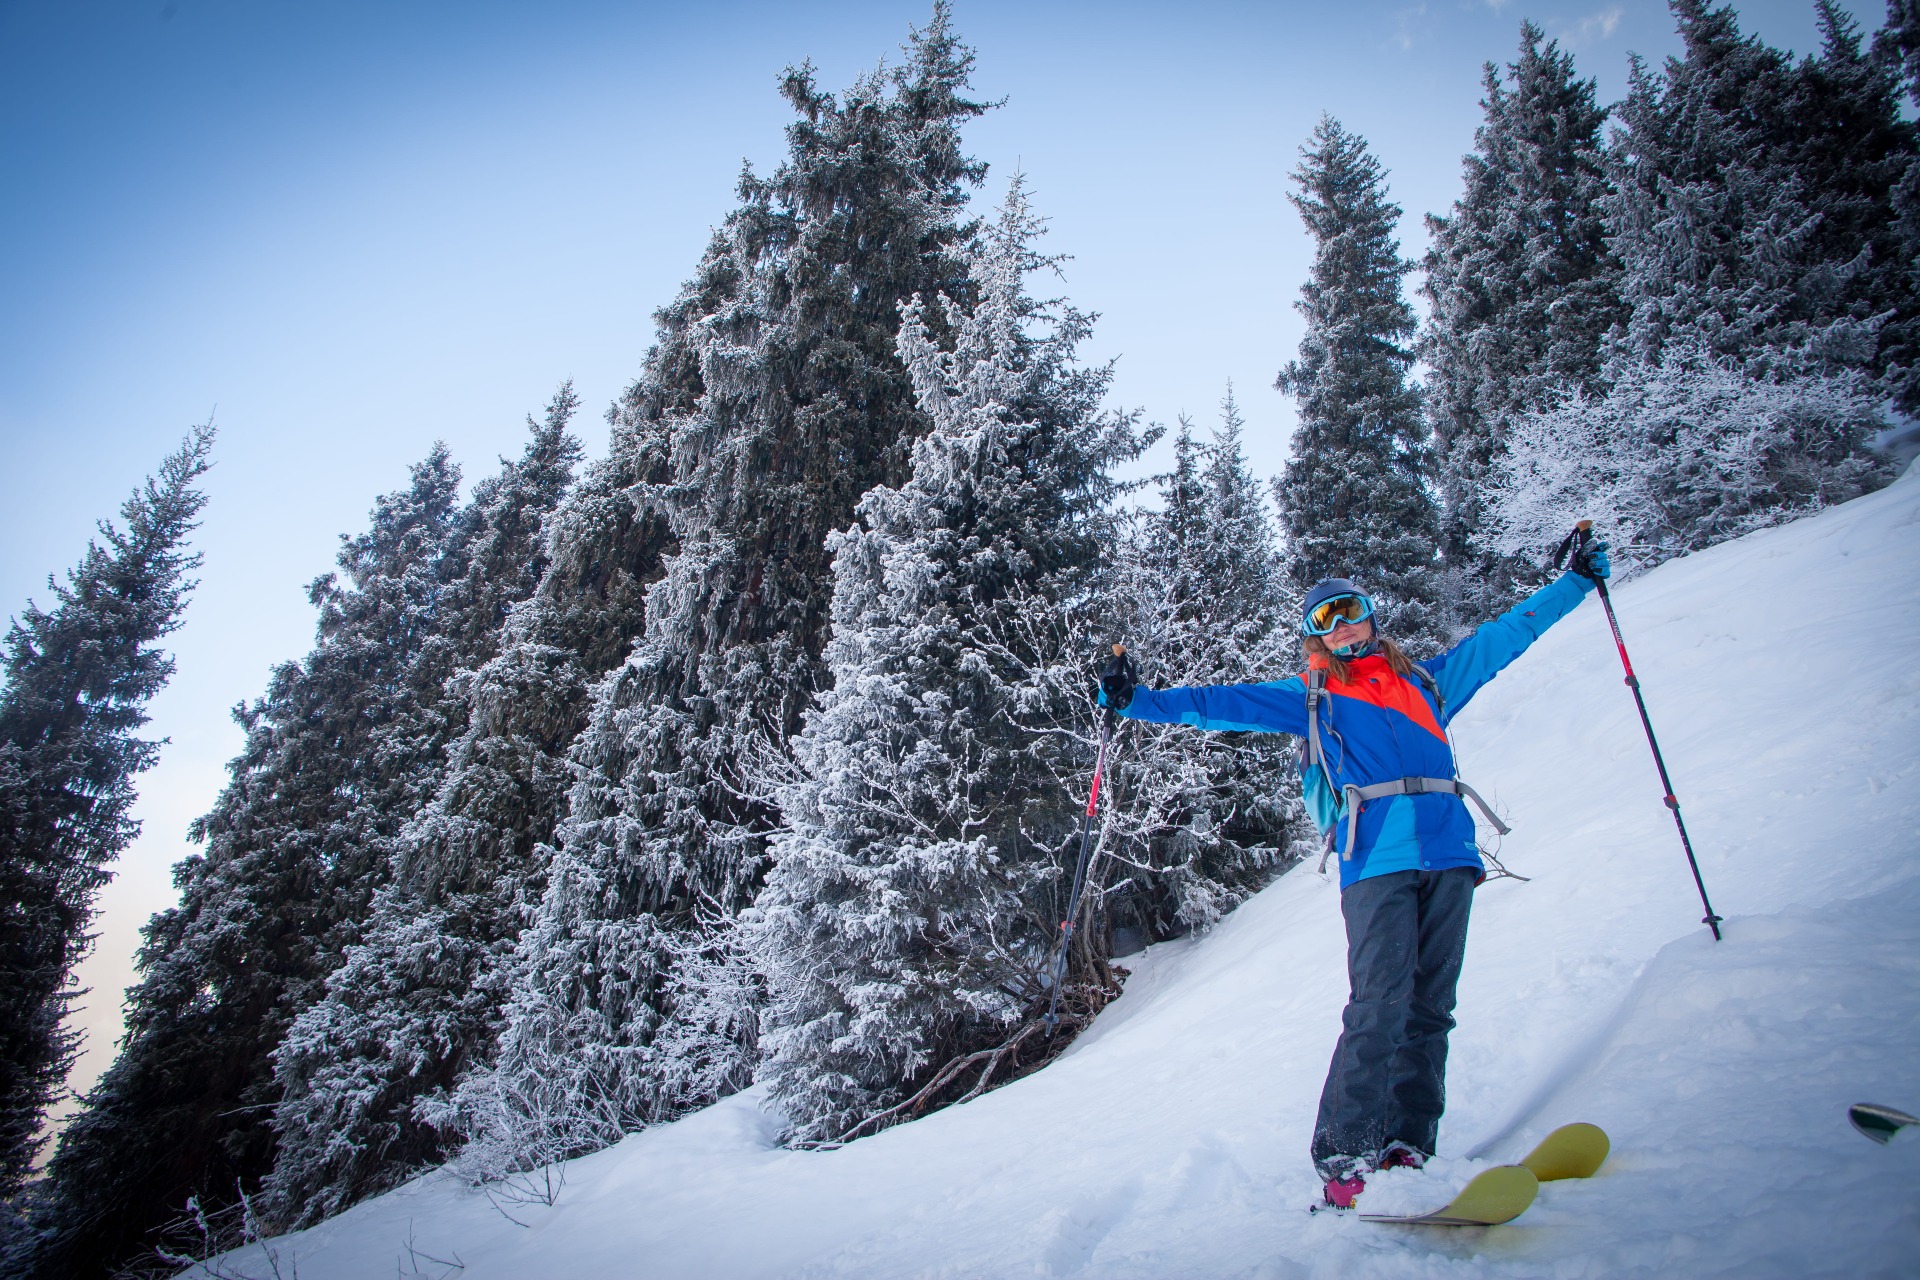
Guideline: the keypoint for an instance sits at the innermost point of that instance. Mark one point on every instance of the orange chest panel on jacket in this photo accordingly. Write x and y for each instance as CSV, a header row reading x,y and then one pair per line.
x,y
1372,680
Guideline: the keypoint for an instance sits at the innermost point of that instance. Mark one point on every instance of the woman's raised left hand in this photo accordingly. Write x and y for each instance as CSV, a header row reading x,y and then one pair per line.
x,y
1591,561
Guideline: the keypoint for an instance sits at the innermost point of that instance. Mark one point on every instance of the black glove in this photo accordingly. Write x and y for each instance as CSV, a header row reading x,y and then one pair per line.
x,y
1591,562
1117,682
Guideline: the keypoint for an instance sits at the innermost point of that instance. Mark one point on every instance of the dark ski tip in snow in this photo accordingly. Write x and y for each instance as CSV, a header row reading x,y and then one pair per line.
x,y
1878,1122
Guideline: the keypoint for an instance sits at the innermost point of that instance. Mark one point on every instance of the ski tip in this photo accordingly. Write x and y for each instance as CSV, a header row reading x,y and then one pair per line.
x,y
1571,1151
1877,1122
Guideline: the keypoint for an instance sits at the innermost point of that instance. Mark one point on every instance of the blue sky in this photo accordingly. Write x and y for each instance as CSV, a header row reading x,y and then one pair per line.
x,y
347,229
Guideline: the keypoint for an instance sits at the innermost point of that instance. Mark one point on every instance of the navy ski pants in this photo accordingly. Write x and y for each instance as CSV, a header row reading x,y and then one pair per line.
x,y
1406,936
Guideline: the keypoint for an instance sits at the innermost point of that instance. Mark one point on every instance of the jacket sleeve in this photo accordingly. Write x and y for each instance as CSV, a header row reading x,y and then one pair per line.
x,y
1276,707
1463,669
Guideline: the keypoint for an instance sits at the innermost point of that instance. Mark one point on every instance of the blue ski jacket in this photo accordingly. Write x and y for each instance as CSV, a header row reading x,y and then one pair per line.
x,y
1376,727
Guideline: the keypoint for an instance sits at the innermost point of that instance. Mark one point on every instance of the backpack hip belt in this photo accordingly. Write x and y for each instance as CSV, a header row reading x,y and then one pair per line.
x,y
1357,796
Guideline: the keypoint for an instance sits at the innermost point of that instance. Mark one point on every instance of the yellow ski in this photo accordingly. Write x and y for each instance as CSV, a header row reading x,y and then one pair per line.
x,y
1498,1195
1571,1151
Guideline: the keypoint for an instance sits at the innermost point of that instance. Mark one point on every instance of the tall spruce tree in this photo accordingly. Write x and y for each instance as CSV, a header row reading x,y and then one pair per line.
x,y
345,745
1354,500
1201,821
1753,212
1523,293
801,407
1897,47
474,860
352,1064
1752,205
184,1109
78,679
1852,153
898,928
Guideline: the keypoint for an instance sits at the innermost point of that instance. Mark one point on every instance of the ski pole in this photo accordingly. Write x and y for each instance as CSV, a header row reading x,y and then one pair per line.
x,y
1080,867
1576,543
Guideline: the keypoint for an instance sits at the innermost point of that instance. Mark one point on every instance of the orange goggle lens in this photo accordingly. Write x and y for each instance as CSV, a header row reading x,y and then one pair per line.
x,y
1329,614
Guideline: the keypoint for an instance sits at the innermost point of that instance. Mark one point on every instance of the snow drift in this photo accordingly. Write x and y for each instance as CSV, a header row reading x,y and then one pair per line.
x,y
1783,673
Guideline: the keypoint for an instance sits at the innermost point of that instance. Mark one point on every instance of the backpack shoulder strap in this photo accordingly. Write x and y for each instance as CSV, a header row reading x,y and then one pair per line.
x,y
1313,754
1316,682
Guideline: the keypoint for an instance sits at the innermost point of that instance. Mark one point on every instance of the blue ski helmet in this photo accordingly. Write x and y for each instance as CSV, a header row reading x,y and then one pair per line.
x,y
1325,590
1332,589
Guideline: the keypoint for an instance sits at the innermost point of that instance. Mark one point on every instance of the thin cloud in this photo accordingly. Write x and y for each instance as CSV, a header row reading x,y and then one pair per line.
x,y
1405,23
1591,29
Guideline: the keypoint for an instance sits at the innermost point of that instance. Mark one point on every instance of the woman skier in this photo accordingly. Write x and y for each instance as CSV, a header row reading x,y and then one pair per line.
x,y
1377,772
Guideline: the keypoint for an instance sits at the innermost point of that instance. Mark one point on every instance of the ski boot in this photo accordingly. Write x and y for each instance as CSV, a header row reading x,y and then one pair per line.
x,y
1344,1181
1399,1155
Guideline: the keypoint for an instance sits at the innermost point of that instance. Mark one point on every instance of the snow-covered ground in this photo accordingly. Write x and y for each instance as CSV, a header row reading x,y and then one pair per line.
x,y
1783,672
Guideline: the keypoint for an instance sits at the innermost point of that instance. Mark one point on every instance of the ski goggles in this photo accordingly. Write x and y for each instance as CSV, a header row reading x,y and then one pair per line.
x,y
1328,614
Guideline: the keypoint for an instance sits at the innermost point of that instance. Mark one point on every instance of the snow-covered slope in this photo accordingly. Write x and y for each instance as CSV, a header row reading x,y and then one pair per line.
x,y
1783,672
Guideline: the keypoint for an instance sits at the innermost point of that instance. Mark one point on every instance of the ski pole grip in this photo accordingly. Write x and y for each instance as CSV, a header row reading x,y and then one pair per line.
x,y
1571,544
1112,720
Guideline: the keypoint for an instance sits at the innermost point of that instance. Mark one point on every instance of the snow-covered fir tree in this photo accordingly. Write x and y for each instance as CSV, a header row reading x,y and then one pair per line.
x,y
77,681
184,1109
898,928
1354,500
1747,227
345,746
475,857
1753,213
1852,152
801,407
1197,822
1523,293
1897,46
389,1026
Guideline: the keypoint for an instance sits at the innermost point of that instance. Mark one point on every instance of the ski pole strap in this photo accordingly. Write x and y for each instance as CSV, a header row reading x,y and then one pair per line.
x,y
1356,796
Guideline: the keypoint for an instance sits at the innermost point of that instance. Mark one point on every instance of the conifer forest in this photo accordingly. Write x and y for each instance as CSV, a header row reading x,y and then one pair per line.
x,y
756,750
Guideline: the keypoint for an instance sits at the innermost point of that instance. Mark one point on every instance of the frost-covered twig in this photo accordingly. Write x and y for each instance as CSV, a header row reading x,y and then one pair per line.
x,y
221,1238
414,1257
